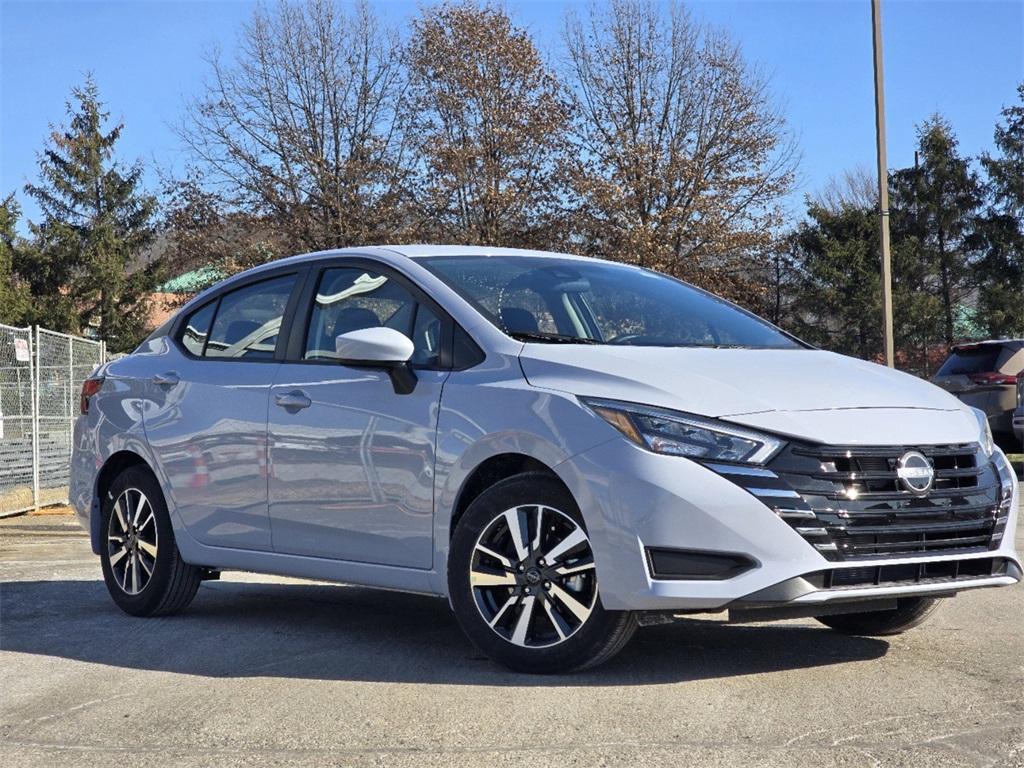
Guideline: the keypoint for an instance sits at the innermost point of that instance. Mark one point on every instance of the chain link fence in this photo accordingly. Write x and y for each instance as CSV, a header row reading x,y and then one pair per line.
x,y
41,374
17,420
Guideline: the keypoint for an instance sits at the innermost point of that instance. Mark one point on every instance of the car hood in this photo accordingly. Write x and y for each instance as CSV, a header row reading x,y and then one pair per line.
x,y
803,393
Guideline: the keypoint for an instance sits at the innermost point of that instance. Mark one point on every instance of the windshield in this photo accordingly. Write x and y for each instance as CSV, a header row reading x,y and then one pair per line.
x,y
573,301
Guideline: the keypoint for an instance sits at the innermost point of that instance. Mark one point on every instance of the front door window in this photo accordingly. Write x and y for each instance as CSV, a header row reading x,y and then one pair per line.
x,y
352,299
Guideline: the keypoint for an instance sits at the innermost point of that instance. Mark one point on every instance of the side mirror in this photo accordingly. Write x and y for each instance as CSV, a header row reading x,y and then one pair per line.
x,y
383,348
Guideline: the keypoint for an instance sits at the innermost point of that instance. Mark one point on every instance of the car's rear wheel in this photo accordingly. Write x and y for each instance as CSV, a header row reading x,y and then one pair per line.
x,y
142,567
908,613
523,582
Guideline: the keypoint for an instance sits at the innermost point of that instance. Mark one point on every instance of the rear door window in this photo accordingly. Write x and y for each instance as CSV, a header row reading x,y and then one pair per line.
x,y
248,320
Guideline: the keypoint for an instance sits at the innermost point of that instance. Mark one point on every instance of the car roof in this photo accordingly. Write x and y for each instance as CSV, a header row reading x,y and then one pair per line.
x,y
1017,343
422,250
412,251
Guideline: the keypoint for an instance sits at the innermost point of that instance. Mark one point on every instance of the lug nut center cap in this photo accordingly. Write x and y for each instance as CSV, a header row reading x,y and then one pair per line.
x,y
533,575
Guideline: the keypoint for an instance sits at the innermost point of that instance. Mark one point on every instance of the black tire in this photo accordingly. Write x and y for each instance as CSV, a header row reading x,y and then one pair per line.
x,y
593,641
908,613
173,582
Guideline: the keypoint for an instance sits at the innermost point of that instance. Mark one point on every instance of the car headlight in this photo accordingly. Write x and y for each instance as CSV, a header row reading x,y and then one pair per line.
x,y
678,434
984,432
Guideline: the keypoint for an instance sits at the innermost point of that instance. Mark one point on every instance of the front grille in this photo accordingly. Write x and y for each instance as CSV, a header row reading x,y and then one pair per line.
x,y
849,504
934,572
872,472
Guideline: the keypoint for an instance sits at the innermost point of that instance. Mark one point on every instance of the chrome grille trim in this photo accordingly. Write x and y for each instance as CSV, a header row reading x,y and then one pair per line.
x,y
862,513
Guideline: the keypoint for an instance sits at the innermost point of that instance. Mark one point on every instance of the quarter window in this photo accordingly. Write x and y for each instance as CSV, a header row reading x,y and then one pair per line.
x,y
197,329
248,320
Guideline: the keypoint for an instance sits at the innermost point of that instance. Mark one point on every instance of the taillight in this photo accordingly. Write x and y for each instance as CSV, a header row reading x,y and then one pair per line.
x,y
991,377
89,388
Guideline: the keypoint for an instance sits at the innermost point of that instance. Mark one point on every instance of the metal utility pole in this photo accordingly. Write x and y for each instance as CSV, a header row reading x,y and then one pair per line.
x,y
883,179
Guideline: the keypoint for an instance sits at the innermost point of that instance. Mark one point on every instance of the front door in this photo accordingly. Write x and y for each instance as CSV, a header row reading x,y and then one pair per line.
x,y
352,461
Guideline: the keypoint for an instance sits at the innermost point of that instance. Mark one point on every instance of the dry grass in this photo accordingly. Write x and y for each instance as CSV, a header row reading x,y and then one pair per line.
x,y
51,501
16,498
56,509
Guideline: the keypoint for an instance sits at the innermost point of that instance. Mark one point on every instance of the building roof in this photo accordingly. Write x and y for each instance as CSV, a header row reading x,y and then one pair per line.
x,y
193,281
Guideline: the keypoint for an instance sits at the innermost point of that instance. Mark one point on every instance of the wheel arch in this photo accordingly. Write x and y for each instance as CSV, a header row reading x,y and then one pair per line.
x,y
490,471
113,466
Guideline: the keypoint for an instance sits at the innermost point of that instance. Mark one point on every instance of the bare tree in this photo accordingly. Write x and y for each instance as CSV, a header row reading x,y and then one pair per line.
x,y
203,235
854,188
488,126
301,127
683,158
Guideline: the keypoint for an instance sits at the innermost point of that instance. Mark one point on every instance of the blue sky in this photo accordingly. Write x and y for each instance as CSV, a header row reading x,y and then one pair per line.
x,y
961,58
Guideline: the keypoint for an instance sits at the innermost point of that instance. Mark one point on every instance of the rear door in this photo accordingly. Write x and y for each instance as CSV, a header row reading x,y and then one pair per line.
x,y
352,461
207,422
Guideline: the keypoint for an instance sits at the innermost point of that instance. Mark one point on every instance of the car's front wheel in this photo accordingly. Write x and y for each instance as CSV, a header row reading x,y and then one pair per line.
x,y
523,582
142,567
908,613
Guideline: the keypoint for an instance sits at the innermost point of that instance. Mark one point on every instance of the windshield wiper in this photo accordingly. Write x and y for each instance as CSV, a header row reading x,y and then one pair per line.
x,y
550,338
717,346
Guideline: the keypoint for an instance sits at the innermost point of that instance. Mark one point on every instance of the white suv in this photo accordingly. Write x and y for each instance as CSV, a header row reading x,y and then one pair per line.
x,y
560,446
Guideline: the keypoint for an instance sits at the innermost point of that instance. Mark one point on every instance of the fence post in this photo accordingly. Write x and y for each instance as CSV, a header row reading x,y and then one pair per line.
x,y
34,374
71,398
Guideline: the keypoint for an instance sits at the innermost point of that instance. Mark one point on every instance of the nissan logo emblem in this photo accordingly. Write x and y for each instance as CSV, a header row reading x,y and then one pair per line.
x,y
915,472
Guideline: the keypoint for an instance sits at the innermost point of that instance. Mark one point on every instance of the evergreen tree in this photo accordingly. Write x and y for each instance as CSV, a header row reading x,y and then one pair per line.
x,y
938,202
834,297
839,301
1001,230
96,224
14,298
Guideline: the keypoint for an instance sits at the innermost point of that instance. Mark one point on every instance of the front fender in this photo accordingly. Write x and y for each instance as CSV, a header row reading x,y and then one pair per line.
x,y
485,414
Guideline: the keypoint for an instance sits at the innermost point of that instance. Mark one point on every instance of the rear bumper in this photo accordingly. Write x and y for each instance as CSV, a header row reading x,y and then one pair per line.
x,y
997,402
85,466
1001,421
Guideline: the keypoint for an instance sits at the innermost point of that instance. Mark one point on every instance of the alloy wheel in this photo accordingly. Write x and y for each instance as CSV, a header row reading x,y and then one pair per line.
x,y
132,539
532,576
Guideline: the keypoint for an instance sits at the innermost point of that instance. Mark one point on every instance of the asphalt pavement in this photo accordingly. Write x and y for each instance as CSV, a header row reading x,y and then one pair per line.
x,y
269,671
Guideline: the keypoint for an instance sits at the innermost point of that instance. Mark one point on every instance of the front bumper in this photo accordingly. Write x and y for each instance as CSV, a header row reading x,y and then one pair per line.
x,y
816,588
634,500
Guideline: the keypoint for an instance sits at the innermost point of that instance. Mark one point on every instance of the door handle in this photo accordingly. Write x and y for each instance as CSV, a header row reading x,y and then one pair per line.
x,y
168,379
295,400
